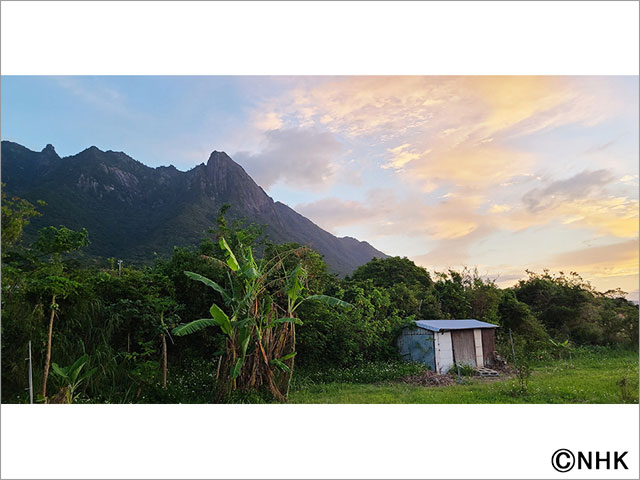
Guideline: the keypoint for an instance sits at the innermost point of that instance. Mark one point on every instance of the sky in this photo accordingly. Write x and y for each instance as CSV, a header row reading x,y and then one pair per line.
x,y
502,174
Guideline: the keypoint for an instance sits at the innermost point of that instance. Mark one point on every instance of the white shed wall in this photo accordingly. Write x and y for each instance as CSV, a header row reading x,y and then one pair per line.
x,y
477,337
444,351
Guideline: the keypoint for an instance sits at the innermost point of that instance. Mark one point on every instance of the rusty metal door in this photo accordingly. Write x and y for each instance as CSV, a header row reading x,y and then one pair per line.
x,y
488,346
464,347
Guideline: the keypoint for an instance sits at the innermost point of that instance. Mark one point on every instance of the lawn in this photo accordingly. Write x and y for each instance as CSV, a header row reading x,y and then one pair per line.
x,y
590,376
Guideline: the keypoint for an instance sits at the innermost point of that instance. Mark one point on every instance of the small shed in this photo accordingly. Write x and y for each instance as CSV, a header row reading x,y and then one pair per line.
x,y
440,344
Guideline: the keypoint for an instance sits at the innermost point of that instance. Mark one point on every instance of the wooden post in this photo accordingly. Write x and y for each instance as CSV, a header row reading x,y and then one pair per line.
x,y
164,361
512,348
30,376
47,361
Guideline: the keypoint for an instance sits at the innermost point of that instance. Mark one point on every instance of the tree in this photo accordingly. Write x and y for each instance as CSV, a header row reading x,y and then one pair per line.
x,y
16,213
49,279
517,317
410,286
387,272
450,290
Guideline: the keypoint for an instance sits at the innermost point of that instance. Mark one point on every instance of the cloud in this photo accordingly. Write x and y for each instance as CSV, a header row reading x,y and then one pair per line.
x,y
478,168
599,148
579,186
603,215
455,251
266,121
630,180
582,201
401,156
301,157
438,130
495,208
451,226
615,259
333,212
92,91
387,214
396,105
607,266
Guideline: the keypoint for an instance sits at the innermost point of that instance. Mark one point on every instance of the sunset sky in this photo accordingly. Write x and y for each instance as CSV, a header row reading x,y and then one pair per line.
x,y
499,173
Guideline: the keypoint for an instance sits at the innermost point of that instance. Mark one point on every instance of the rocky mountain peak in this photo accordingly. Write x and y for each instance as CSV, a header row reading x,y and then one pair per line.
x,y
133,211
217,157
49,149
221,164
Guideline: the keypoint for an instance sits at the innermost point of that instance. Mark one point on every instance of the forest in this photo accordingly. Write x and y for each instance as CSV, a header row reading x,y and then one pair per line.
x,y
232,319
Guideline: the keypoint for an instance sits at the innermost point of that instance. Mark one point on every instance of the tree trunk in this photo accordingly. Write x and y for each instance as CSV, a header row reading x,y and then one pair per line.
x,y
47,360
274,390
164,361
293,359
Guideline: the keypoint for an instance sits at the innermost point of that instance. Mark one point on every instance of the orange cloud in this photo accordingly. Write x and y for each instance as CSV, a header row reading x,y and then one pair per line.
x,y
614,260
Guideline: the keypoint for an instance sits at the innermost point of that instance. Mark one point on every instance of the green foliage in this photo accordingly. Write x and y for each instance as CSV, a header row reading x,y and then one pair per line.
x,y
254,319
392,271
71,377
627,393
569,308
142,368
365,332
16,213
55,241
561,349
517,317
208,283
462,369
327,300
410,287
196,325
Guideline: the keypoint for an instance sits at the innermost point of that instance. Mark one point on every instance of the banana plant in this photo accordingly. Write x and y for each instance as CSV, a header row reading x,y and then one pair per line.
x,y
71,378
260,333
561,348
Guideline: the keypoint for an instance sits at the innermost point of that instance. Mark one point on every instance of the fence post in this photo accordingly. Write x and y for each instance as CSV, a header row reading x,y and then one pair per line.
x,y
30,376
513,351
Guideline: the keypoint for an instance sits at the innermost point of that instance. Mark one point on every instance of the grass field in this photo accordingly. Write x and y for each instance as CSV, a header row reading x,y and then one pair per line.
x,y
590,376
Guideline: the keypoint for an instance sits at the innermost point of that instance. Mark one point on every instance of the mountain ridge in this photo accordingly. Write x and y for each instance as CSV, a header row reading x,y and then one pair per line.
x,y
132,210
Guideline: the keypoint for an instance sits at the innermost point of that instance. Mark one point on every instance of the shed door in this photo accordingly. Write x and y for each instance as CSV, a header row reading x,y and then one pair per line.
x,y
488,345
464,347
417,346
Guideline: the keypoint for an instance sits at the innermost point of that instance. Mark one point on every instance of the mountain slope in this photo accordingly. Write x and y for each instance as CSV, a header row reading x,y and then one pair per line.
x,y
132,211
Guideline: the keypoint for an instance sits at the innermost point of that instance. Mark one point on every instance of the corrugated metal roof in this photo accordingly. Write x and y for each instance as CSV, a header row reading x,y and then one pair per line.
x,y
438,325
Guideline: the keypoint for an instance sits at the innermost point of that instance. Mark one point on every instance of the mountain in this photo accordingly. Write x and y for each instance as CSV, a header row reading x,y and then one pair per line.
x,y
132,210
